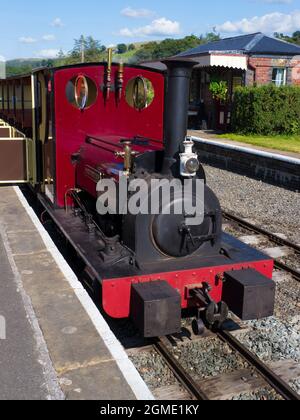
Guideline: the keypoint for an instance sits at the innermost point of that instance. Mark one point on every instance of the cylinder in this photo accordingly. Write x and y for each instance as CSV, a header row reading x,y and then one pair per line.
x,y
176,110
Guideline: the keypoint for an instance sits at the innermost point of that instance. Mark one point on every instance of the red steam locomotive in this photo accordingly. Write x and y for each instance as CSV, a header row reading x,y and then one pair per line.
x,y
64,130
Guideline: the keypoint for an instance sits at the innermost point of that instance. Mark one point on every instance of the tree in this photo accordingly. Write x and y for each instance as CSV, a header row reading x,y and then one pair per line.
x,y
16,71
296,35
85,50
171,47
146,52
212,37
131,47
121,48
48,63
61,59
295,38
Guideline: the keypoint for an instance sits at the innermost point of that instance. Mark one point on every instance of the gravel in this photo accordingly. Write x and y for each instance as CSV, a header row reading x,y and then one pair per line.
x,y
262,394
208,358
275,208
153,369
296,385
287,305
291,260
202,359
273,340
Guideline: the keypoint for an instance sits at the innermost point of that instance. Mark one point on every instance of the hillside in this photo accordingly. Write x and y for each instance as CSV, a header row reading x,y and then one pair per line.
x,y
132,53
24,66
95,51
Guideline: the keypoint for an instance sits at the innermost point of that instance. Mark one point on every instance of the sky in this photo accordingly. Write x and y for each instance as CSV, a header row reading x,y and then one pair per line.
x,y
39,29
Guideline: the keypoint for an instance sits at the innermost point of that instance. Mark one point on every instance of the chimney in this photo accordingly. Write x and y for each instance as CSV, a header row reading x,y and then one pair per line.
x,y
176,111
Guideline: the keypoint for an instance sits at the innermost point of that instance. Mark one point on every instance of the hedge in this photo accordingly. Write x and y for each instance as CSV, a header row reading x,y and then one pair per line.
x,y
266,110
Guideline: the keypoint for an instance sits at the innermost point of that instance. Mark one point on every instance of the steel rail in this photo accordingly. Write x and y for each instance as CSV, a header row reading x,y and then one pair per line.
x,y
287,268
180,373
273,238
280,386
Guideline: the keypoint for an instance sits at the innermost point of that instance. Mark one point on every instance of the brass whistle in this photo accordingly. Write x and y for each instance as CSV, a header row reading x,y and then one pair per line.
x,y
108,73
120,81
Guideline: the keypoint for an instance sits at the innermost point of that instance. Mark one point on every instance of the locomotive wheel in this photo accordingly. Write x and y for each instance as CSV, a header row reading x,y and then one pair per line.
x,y
216,315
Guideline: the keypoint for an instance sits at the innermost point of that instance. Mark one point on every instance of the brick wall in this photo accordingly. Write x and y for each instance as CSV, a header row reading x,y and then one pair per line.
x,y
295,71
260,69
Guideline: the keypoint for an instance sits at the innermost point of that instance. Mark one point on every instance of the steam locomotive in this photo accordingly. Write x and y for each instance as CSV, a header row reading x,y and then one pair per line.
x,y
64,130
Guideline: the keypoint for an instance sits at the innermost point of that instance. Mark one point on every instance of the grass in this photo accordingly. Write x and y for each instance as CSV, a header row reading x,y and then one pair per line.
x,y
126,56
282,143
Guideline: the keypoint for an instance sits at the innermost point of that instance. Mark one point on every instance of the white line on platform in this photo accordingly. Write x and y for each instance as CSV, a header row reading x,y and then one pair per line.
x,y
133,378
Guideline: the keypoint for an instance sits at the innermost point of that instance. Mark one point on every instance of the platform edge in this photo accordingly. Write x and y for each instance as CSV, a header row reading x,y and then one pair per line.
x,y
131,375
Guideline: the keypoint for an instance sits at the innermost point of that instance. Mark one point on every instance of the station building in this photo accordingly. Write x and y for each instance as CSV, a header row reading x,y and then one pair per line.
x,y
247,60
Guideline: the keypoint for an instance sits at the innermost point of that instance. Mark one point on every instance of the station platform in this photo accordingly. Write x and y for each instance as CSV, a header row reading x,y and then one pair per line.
x,y
266,165
211,135
54,343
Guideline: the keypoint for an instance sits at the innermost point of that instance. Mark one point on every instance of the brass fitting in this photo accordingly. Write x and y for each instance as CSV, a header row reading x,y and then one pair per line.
x,y
128,154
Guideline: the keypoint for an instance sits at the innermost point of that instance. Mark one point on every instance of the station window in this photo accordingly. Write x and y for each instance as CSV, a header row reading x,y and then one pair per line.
x,y
279,76
81,92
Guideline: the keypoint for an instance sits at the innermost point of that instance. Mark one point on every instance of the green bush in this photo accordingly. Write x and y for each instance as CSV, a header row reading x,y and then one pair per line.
x,y
266,110
219,90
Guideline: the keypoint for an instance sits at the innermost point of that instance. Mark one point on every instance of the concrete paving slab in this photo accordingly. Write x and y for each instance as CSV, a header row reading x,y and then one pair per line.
x,y
7,194
41,275
80,358
14,220
25,243
22,370
71,338
85,383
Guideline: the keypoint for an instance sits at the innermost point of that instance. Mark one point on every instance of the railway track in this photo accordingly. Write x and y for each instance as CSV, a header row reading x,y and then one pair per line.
x,y
278,384
271,237
185,379
198,390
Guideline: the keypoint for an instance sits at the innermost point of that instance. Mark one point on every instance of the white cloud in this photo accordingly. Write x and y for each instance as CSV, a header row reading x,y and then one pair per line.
x,y
48,53
136,13
2,59
27,40
126,32
270,23
158,27
48,37
57,23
